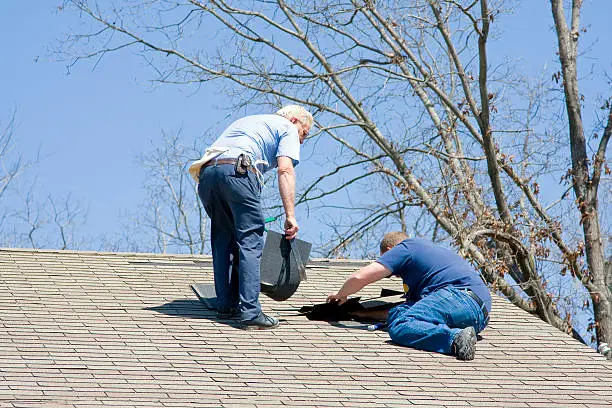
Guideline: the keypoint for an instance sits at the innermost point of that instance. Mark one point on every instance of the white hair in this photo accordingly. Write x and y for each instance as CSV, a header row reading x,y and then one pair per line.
x,y
296,111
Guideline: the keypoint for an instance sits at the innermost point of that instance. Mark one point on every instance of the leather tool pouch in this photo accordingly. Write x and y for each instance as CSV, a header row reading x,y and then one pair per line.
x,y
243,162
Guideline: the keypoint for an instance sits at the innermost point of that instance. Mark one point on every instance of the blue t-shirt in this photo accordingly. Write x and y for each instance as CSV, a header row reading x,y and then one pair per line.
x,y
426,267
263,137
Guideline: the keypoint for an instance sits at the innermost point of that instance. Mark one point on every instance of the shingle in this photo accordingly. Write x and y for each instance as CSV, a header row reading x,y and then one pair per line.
x,y
105,329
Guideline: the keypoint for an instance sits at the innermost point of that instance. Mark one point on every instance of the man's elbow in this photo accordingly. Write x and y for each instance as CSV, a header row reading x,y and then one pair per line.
x,y
359,280
285,165
285,170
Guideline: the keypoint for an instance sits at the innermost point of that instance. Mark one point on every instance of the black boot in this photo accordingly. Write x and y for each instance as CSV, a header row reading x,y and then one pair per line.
x,y
464,344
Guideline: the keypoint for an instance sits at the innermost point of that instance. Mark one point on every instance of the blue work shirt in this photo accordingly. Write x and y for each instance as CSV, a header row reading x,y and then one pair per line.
x,y
263,137
426,267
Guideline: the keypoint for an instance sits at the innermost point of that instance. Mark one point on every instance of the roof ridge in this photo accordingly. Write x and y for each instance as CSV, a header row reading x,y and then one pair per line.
x,y
90,252
158,255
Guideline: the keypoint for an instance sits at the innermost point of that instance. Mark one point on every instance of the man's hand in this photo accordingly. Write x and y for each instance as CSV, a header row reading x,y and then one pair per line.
x,y
364,276
291,228
333,298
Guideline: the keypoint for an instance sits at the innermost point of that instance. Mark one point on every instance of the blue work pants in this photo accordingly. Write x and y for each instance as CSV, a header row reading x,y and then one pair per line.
x,y
233,203
432,323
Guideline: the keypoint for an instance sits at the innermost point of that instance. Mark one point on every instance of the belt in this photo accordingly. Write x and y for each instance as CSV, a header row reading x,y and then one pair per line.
x,y
214,162
481,304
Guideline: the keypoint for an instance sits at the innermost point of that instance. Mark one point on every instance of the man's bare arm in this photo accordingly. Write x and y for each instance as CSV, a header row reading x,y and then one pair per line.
x,y
286,188
357,281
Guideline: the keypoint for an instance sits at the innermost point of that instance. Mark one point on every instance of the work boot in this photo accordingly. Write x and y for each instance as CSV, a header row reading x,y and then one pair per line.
x,y
230,314
464,344
261,322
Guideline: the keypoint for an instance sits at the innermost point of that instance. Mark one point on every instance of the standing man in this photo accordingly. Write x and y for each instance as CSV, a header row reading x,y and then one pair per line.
x,y
447,302
230,183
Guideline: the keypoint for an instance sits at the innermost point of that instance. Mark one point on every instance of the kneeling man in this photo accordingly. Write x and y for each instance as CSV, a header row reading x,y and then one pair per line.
x,y
447,302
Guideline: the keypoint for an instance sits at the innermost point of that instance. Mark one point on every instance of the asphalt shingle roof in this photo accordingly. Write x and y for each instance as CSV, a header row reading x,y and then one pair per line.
x,y
104,329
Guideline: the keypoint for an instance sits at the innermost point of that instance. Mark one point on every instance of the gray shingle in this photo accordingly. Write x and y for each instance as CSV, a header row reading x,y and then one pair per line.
x,y
88,329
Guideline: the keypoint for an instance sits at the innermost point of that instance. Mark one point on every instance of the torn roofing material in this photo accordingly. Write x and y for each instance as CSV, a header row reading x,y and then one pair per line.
x,y
283,265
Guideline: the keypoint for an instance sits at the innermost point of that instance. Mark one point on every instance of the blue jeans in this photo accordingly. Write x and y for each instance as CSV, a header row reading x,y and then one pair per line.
x,y
432,323
233,203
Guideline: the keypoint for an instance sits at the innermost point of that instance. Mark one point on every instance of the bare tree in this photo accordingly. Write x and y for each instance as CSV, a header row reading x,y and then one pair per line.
x,y
586,171
52,223
11,164
405,94
66,218
171,218
25,220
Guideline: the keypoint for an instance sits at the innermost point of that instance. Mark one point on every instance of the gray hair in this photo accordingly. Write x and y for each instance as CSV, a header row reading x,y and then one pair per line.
x,y
296,111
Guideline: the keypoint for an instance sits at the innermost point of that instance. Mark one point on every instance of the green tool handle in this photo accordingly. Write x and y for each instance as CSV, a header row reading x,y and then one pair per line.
x,y
269,219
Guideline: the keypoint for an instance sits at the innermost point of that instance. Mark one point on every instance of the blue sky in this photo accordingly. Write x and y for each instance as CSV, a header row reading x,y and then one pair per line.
x,y
92,124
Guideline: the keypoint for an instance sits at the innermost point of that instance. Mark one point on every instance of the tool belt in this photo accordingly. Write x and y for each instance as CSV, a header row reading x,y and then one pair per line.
x,y
481,304
241,164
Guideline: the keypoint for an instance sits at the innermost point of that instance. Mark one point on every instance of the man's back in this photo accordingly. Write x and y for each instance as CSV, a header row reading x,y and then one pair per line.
x,y
425,267
264,137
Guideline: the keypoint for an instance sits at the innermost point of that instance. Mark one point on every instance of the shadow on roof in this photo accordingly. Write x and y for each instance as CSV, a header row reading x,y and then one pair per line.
x,y
191,309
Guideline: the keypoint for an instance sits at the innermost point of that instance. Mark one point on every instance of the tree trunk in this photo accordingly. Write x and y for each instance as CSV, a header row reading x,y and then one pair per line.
x,y
584,187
